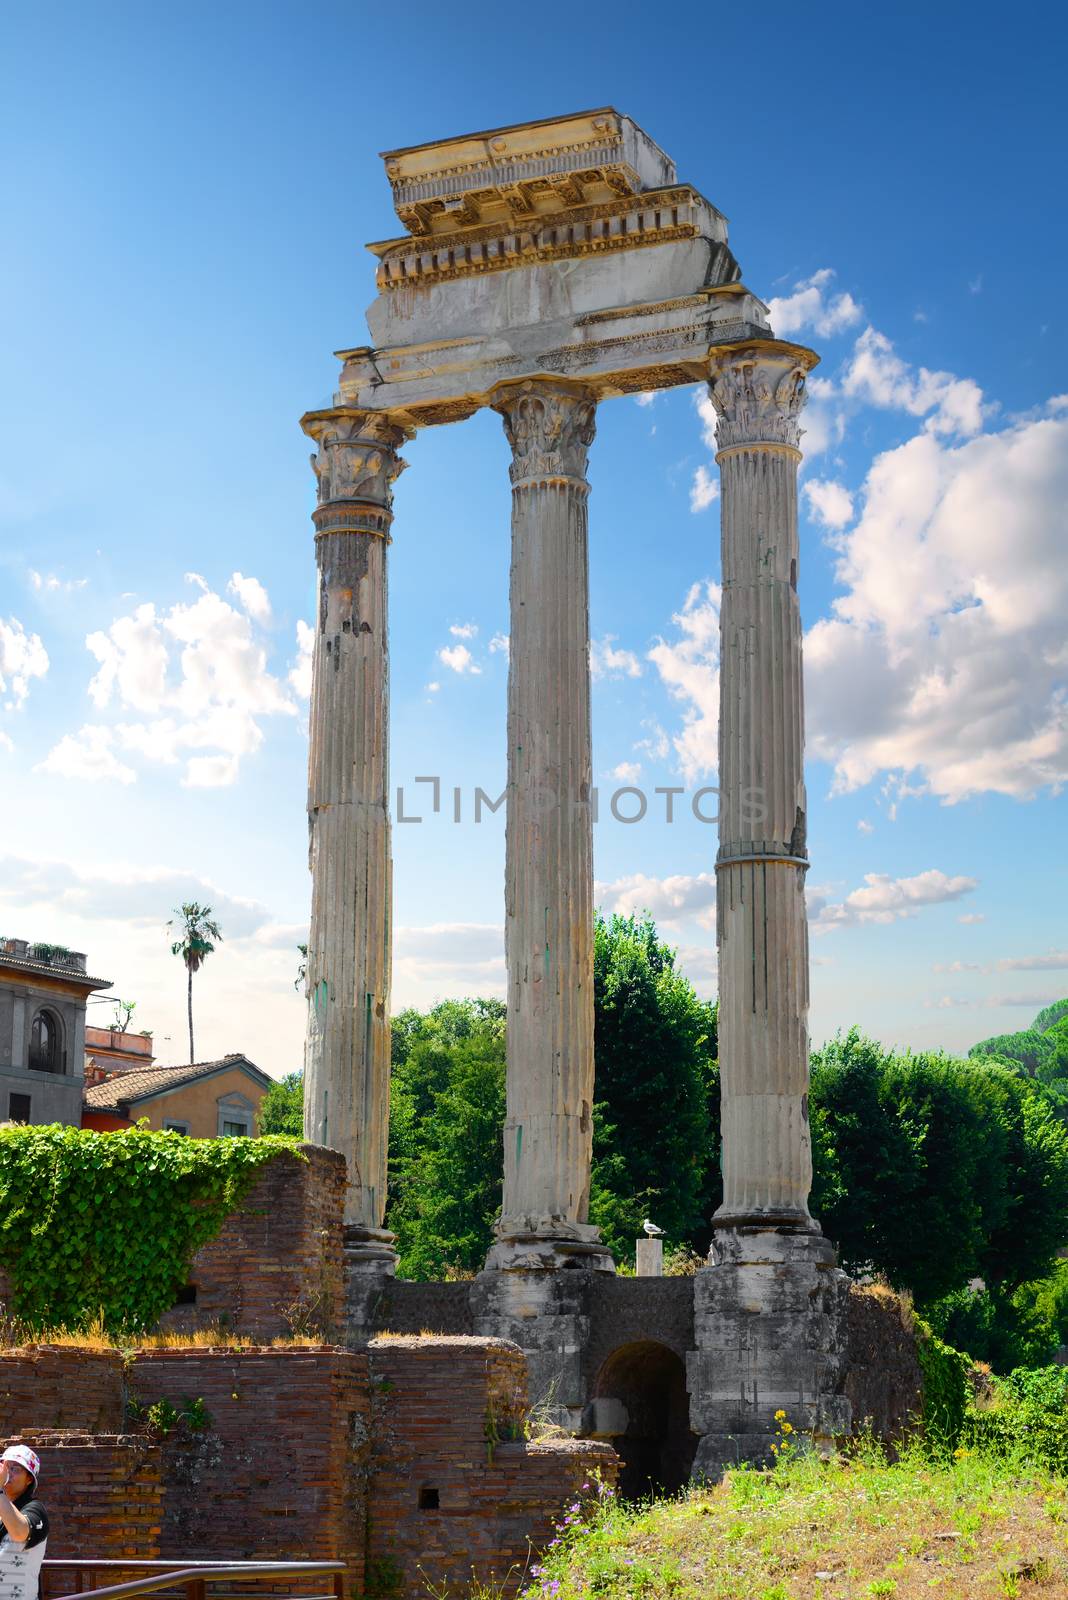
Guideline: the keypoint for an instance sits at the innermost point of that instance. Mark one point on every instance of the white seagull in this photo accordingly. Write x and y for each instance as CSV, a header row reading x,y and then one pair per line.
x,y
651,1230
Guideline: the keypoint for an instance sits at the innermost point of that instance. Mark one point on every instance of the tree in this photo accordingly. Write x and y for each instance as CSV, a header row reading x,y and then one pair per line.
x,y
654,1148
935,1171
282,1107
198,937
1040,1052
124,1010
445,1151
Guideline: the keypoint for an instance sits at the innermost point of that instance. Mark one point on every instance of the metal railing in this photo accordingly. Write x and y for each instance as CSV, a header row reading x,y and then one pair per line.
x,y
197,1580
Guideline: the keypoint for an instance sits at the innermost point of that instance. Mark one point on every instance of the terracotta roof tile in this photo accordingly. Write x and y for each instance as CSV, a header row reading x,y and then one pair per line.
x,y
140,1082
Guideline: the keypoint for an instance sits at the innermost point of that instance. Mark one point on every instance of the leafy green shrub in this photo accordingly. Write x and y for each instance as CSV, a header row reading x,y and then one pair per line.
x,y
1025,1421
101,1227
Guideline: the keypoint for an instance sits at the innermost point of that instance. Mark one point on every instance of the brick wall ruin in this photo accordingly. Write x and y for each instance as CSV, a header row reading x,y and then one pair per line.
x,y
303,1453
283,1458
883,1379
276,1266
456,1490
104,1493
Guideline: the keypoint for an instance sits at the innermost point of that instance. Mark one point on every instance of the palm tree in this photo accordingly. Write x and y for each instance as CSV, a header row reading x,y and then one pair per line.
x,y
199,934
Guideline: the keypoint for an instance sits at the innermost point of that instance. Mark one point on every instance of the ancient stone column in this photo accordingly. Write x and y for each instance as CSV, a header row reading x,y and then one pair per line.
x,y
769,1310
762,935
347,1050
549,851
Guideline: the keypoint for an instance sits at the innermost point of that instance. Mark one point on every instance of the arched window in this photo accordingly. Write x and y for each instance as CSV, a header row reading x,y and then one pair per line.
x,y
45,1052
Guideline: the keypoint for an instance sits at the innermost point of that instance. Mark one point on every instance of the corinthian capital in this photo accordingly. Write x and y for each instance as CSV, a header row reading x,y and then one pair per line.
x,y
550,427
357,457
758,390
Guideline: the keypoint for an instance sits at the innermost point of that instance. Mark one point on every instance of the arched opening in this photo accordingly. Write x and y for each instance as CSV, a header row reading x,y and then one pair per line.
x,y
46,1053
657,1448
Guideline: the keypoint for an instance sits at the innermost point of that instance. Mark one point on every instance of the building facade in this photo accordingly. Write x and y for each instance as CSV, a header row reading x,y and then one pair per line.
x,y
43,991
207,1100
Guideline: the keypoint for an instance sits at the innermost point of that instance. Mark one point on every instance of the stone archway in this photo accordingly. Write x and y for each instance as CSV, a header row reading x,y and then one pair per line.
x,y
648,1381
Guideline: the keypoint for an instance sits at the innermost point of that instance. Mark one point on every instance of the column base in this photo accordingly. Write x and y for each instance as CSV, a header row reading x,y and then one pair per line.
x,y
770,1329
369,1249
536,1244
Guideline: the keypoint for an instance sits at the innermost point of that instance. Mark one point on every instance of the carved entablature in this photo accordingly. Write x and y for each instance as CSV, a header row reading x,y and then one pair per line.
x,y
758,390
357,459
522,238
523,170
550,427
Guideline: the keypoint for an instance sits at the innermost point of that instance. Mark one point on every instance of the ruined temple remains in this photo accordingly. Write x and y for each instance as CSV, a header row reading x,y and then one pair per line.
x,y
545,268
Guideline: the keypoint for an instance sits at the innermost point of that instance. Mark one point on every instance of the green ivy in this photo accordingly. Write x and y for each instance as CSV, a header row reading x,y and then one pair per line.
x,y
101,1227
945,1388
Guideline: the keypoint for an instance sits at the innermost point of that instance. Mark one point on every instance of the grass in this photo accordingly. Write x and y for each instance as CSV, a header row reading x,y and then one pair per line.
x,y
846,1529
16,1336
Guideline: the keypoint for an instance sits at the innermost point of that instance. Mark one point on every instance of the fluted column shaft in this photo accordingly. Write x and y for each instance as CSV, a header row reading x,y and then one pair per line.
x,y
347,1050
762,933
549,853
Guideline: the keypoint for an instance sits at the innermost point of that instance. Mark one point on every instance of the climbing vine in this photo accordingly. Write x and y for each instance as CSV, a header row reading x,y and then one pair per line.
x,y
102,1226
945,1388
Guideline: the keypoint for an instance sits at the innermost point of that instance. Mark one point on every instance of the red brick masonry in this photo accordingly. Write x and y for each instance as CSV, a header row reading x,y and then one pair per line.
x,y
103,1493
307,1453
276,1266
280,1472
455,1496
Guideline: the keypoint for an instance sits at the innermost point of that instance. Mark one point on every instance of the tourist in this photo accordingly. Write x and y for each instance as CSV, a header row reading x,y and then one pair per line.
x,y
25,1524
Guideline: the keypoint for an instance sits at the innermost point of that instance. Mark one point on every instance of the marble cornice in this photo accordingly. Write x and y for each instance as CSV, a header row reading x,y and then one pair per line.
x,y
654,217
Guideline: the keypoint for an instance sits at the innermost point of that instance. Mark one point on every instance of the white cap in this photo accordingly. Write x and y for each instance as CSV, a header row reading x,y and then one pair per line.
x,y
23,1456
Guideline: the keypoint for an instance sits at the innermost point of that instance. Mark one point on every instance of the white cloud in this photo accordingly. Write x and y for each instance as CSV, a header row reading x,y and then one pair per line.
x,y
864,826
876,376
300,673
498,644
197,673
627,771
689,669
945,658
608,662
813,305
1052,961
957,966
704,490
447,959
666,899
22,658
88,755
433,687
829,503
1033,1002
972,918
657,745
458,658
707,412
48,583
646,398
463,630
252,595
886,899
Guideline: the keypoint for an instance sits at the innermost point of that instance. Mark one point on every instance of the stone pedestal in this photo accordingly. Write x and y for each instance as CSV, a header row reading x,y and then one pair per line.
x,y
770,1326
548,1130
347,1050
544,1313
649,1258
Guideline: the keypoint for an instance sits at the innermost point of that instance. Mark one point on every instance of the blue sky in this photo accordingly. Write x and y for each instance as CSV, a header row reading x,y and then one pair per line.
x,y
187,194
